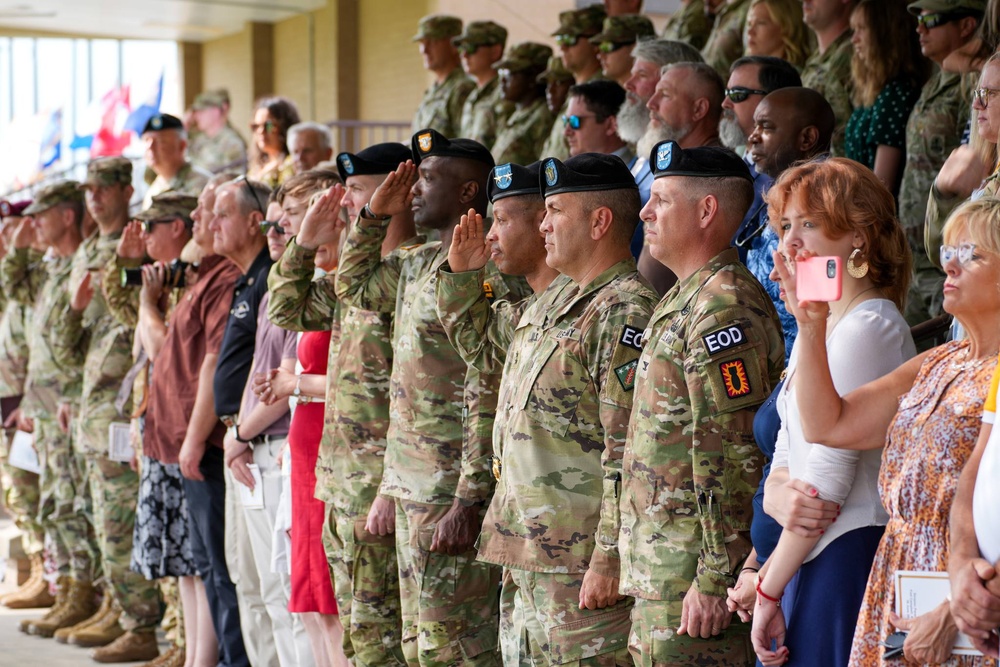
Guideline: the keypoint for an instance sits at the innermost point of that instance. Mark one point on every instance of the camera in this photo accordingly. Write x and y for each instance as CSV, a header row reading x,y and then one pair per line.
x,y
173,278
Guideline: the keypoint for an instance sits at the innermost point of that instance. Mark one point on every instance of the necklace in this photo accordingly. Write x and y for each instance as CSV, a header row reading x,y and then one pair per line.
x,y
965,363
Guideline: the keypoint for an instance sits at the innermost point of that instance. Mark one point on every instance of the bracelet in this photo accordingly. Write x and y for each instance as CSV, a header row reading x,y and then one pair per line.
x,y
776,601
236,434
367,214
750,569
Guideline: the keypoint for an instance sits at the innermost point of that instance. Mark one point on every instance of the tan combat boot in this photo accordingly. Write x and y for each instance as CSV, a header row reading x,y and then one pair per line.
x,y
132,646
172,657
34,592
101,633
79,606
62,594
62,634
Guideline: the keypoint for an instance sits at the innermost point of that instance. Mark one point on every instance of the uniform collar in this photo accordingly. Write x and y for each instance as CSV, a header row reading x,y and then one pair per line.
x,y
681,294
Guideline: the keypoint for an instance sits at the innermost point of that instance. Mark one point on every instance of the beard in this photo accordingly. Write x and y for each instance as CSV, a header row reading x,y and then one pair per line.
x,y
730,133
657,132
633,118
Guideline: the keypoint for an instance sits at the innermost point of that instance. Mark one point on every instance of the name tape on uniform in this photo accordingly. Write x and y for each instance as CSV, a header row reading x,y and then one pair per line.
x,y
726,338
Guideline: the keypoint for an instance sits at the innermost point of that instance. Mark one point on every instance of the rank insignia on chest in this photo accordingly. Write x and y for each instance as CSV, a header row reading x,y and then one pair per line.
x,y
488,290
734,376
497,467
626,374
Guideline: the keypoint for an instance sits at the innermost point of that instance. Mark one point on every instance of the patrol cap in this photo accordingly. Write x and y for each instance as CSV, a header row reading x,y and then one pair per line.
x,y
481,33
525,56
513,180
60,192
13,209
108,171
624,29
556,71
583,22
968,7
170,205
431,143
376,159
211,99
162,121
668,159
438,26
586,172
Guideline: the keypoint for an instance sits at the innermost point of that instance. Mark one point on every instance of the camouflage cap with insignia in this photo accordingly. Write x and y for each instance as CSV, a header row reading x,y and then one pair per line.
x,y
525,57
162,121
211,99
624,29
555,71
60,192
584,22
13,209
170,205
374,160
108,171
586,172
431,143
965,7
481,33
668,159
438,26
513,180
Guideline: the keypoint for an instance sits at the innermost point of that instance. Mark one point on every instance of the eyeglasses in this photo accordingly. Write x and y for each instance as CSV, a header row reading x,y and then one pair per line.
x,y
253,192
268,127
982,95
267,225
468,48
567,40
574,122
931,21
147,225
608,47
738,94
963,252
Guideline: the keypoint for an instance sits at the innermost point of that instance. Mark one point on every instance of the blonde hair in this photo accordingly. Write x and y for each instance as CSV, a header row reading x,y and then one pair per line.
x,y
980,219
787,14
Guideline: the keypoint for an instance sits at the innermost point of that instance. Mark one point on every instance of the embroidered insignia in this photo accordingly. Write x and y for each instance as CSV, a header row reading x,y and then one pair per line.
x,y
241,310
626,374
497,467
633,338
734,376
551,175
347,164
488,289
664,155
723,339
425,141
502,176
156,123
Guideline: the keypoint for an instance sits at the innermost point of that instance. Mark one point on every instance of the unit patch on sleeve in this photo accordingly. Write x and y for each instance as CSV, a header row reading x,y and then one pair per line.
x,y
626,374
726,338
734,378
632,338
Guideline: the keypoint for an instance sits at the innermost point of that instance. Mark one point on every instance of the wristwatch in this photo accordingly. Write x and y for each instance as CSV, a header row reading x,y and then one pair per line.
x,y
366,213
297,392
234,430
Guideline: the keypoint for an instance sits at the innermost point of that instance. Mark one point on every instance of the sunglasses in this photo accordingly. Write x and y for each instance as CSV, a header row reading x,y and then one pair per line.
x,y
468,48
574,122
268,126
982,95
147,225
609,47
963,252
253,192
567,40
931,21
738,94
267,225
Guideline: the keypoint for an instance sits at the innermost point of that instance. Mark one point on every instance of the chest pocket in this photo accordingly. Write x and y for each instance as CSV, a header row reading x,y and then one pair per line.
x,y
558,381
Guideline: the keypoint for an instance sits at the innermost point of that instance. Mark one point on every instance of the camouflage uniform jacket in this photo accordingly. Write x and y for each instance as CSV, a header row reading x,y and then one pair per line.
x,y
43,285
725,42
190,180
227,148
104,344
521,133
689,24
565,400
441,107
14,348
483,112
940,207
712,353
829,74
438,439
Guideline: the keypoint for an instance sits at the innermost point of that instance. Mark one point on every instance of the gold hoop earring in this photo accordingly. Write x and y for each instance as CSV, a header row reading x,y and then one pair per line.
x,y
854,270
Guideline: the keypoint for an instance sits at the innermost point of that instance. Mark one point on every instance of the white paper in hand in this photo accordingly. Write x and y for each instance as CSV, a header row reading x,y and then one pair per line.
x,y
120,443
23,454
919,592
252,500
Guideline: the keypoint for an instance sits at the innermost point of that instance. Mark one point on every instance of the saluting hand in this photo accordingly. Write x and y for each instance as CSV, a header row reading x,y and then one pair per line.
x,y
83,294
24,235
395,195
323,223
469,251
131,245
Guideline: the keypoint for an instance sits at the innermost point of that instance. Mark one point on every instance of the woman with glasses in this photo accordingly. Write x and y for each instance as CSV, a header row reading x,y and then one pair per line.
x,y
775,28
270,162
926,414
888,72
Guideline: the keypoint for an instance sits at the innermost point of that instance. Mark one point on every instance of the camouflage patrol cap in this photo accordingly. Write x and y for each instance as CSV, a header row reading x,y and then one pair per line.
x,y
431,143
584,22
586,172
438,26
170,205
374,160
108,171
162,121
668,159
524,57
60,192
211,99
556,71
481,33
967,7
624,29
13,209
513,180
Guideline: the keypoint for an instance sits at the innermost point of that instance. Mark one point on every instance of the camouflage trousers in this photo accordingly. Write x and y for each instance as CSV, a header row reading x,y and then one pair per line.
x,y
64,506
450,604
541,623
366,583
20,497
114,487
654,641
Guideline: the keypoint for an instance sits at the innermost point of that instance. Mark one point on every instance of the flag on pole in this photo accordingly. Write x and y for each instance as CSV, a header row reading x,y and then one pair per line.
x,y
50,145
113,136
148,108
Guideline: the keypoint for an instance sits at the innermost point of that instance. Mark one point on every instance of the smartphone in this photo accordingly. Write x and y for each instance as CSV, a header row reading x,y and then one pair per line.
x,y
894,645
819,279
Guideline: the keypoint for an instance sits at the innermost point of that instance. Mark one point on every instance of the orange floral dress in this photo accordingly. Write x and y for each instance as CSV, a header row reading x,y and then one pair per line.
x,y
929,441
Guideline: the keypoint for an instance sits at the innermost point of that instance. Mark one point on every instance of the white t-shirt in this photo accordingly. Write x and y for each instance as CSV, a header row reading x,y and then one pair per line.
x,y
986,496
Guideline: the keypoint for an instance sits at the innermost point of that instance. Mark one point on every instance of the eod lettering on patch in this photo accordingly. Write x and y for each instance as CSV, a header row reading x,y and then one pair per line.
x,y
726,338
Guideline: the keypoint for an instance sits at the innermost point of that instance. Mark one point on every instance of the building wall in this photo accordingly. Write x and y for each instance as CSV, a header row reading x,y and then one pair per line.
x,y
392,77
226,64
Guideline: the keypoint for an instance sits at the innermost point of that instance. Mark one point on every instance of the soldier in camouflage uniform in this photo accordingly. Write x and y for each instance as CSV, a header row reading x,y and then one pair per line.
x,y
725,42
828,69
933,130
566,396
52,388
689,24
442,104
216,145
165,144
557,80
88,331
615,41
359,540
437,456
522,132
711,354
480,45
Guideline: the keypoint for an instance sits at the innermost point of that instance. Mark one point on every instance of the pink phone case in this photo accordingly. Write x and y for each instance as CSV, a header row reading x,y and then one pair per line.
x,y
818,279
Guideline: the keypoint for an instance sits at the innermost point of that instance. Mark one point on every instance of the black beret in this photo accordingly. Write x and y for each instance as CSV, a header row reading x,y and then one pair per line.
x,y
585,172
668,159
162,121
431,143
374,160
513,180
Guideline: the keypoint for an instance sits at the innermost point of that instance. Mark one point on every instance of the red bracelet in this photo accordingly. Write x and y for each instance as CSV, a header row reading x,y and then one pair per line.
x,y
776,601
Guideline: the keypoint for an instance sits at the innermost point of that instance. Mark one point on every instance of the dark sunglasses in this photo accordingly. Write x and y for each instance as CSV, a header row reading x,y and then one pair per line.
x,y
738,94
267,225
468,48
931,21
567,40
574,122
609,47
253,192
147,225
